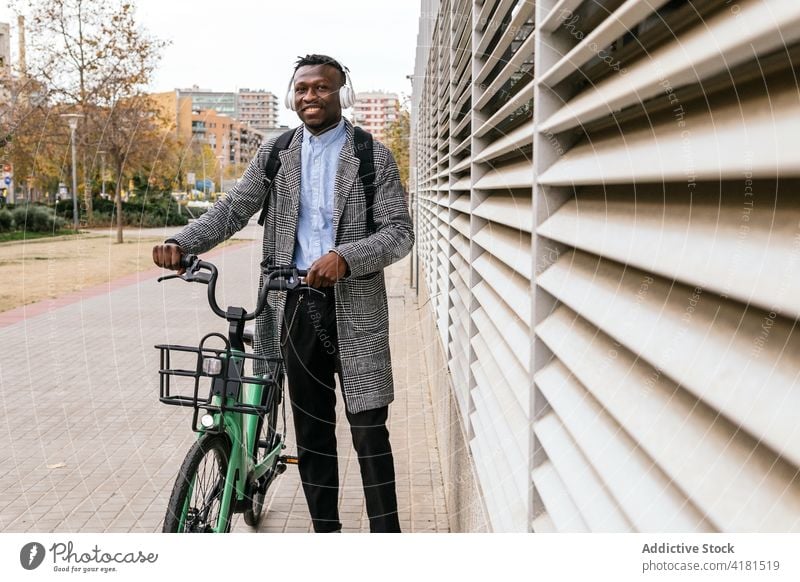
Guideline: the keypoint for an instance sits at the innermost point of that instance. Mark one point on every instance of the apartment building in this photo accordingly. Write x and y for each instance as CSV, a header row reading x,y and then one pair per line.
x,y
607,239
258,108
374,111
5,47
223,102
176,113
235,142
5,70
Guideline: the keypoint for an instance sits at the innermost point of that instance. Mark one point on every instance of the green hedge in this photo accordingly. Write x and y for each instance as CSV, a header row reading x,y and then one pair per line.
x,y
6,220
31,218
153,211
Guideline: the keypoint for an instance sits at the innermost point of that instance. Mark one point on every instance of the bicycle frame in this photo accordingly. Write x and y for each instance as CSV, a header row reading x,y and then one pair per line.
x,y
241,430
234,408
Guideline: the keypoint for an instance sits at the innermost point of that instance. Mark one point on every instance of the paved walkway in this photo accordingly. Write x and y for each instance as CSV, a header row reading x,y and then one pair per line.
x,y
86,447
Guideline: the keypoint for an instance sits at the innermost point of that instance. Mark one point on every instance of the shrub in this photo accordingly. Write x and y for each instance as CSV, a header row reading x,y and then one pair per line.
x,y
6,220
156,211
37,219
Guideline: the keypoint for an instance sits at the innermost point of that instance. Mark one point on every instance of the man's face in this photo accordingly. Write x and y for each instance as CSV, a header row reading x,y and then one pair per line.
x,y
316,96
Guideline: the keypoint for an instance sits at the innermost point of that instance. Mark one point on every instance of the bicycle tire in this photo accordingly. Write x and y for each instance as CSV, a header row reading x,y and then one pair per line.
x,y
204,473
267,435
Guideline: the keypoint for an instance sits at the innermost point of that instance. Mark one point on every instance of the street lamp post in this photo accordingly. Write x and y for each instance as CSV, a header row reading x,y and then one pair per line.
x,y
102,173
72,120
205,194
220,158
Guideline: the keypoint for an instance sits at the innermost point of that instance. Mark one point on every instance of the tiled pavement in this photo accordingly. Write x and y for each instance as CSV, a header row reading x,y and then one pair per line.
x,y
86,447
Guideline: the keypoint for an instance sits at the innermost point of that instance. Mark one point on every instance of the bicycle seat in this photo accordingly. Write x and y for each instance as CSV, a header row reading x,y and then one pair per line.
x,y
247,336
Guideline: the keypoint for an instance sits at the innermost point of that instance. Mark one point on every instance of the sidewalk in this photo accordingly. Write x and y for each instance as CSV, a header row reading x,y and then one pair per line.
x,y
87,447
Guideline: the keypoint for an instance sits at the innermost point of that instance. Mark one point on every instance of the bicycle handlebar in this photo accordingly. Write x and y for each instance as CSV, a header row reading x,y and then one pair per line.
x,y
281,278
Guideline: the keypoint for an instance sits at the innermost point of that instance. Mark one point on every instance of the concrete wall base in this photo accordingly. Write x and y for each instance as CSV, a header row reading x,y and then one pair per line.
x,y
465,506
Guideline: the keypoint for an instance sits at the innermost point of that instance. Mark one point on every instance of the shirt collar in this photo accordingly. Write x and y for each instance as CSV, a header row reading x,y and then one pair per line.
x,y
326,138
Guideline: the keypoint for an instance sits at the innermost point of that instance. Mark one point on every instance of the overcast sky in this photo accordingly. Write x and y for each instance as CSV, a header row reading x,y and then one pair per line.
x,y
229,44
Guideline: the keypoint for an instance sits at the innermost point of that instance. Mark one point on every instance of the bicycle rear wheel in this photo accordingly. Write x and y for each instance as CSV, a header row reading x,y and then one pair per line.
x,y
196,500
268,439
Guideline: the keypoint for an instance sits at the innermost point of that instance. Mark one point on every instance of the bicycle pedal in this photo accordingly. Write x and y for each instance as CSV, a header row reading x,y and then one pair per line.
x,y
288,459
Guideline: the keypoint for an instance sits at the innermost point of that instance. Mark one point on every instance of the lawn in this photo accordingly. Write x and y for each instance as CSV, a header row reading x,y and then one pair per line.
x,y
35,269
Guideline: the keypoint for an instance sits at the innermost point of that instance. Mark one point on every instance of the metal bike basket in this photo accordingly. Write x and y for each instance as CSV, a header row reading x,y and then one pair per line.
x,y
226,374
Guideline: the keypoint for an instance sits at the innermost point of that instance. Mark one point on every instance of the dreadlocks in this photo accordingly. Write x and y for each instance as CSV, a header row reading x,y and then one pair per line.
x,y
311,60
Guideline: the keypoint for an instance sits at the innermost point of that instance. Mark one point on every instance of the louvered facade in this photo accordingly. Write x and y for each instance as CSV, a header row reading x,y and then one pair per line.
x,y
609,242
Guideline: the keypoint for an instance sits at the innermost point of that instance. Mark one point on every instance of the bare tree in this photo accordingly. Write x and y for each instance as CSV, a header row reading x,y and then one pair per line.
x,y
94,58
135,141
34,139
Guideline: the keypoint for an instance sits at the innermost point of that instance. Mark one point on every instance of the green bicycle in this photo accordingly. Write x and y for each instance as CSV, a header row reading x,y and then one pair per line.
x,y
237,454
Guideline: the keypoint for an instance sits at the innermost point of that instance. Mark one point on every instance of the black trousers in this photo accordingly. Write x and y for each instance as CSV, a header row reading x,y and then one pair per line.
x,y
311,357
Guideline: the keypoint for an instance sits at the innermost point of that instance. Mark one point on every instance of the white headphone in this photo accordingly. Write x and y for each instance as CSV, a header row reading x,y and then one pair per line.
x,y
347,97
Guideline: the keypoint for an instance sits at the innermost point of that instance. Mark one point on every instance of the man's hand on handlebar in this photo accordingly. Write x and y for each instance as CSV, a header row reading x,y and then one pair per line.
x,y
326,270
168,256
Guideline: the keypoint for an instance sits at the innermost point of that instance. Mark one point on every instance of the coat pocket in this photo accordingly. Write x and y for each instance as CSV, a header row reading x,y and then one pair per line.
x,y
376,362
368,309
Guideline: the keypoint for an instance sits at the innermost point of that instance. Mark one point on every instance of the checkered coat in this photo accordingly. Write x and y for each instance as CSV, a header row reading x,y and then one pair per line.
x,y
361,305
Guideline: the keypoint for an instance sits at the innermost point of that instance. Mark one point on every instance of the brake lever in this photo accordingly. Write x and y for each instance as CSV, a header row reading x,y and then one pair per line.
x,y
192,273
189,277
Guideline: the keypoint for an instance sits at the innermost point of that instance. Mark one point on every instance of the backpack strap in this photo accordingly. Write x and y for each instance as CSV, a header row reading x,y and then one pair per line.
x,y
272,167
362,142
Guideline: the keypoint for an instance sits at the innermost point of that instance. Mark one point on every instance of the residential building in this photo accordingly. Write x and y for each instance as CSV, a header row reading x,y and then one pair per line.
x,y
224,102
374,111
5,70
6,104
257,108
5,48
176,111
235,142
613,289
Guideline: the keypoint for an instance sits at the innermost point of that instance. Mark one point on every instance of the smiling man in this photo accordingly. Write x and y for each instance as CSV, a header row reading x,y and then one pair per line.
x,y
335,207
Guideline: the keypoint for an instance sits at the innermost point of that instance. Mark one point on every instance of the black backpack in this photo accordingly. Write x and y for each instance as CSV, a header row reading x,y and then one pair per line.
x,y
362,144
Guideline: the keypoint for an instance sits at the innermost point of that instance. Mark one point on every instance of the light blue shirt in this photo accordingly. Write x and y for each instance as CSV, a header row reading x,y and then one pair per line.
x,y
320,160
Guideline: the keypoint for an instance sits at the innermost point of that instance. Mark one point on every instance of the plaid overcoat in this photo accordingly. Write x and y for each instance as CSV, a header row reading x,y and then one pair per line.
x,y
362,313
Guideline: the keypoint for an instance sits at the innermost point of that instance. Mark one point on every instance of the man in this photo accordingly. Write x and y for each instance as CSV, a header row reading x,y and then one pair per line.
x,y
316,217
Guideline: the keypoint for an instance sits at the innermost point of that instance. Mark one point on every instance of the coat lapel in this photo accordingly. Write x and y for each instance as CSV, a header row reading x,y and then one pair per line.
x,y
289,205
346,175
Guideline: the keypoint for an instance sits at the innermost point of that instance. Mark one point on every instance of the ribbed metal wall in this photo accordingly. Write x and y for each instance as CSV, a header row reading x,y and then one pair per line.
x,y
609,232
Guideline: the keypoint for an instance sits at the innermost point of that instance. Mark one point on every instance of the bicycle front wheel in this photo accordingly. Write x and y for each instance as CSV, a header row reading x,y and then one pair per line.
x,y
196,501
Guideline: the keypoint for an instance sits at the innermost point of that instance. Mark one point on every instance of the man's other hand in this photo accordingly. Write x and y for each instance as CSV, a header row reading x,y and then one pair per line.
x,y
326,270
168,256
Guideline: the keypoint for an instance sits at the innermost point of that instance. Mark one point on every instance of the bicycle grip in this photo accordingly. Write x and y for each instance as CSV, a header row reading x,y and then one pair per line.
x,y
187,261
